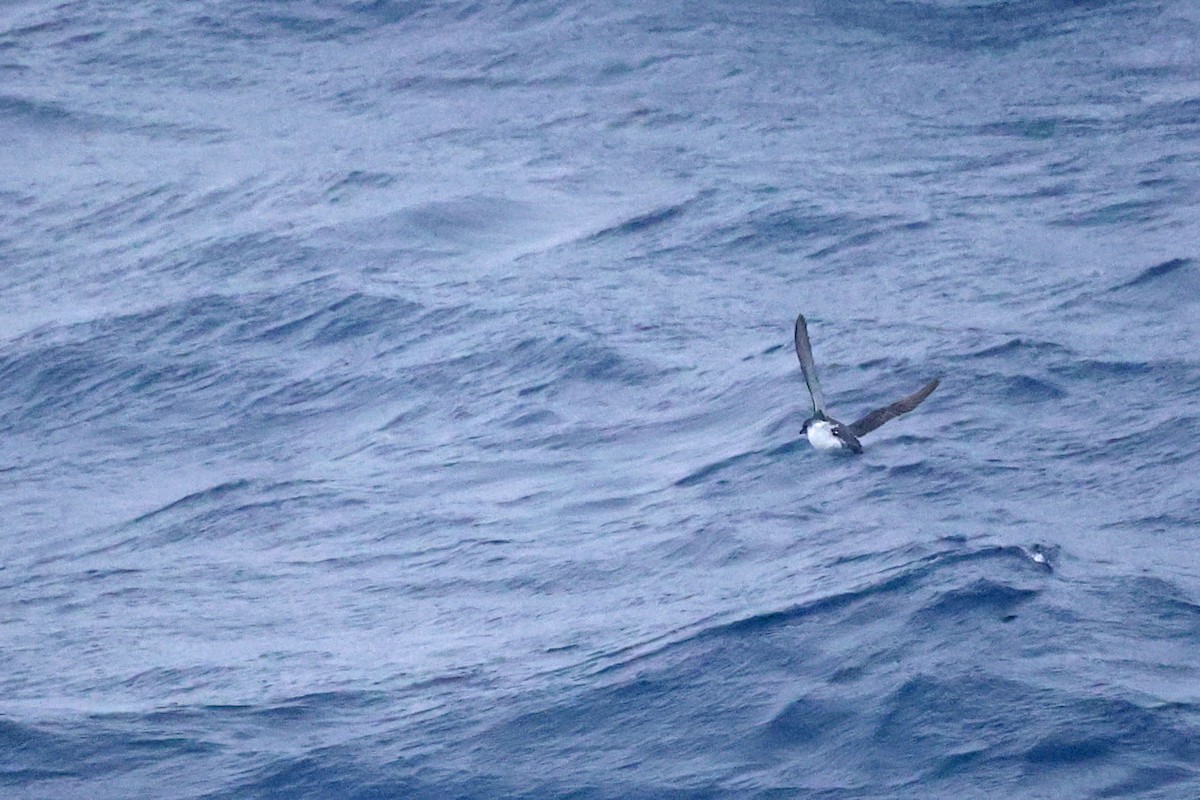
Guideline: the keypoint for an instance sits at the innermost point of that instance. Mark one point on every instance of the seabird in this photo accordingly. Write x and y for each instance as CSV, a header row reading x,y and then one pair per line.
x,y
825,432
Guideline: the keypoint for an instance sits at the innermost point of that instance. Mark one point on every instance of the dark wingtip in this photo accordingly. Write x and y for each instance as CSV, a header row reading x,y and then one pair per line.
x,y
928,388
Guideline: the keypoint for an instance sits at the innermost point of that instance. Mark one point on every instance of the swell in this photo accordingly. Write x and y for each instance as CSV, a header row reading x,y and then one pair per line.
x,y
190,748
965,27
209,357
931,668
901,581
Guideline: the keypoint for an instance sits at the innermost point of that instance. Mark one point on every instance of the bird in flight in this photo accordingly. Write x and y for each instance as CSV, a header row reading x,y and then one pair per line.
x,y
825,432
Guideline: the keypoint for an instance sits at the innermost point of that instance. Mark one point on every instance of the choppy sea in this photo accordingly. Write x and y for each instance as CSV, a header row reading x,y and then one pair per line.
x,y
397,399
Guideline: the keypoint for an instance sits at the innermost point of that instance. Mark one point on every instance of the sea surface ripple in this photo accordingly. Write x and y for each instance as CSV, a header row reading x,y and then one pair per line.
x,y
397,399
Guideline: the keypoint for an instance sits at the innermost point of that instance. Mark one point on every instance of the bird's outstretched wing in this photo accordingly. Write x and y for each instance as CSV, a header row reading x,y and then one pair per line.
x,y
809,367
881,415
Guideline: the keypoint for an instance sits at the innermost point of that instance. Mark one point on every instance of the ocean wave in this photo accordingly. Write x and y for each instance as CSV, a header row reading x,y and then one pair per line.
x,y
398,400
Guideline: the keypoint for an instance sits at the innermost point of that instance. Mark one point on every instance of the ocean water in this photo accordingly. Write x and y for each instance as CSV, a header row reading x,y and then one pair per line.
x,y
397,399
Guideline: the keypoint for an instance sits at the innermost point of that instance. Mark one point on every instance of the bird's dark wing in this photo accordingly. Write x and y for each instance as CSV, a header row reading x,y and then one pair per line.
x,y
809,367
881,415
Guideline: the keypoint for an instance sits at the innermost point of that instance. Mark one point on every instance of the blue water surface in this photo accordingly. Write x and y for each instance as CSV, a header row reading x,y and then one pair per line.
x,y
397,399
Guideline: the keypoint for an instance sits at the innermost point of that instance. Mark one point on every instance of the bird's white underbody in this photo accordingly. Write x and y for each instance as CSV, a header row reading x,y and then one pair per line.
x,y
820,435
